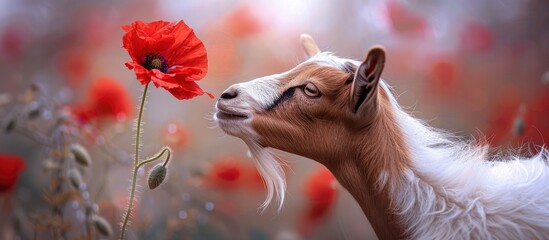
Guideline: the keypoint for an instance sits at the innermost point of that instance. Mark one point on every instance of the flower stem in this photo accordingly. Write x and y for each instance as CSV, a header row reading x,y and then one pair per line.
x,y
135,165
152,159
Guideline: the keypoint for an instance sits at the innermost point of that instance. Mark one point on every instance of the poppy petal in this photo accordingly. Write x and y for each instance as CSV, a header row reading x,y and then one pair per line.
x,y
142,74
186,73
187,90
188,50
164,80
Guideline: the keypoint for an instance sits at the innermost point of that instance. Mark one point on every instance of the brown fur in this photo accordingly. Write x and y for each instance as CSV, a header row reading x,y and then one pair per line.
x,y
325,129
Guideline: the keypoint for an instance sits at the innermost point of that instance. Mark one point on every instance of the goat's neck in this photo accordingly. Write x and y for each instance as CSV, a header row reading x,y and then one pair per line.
x,y
370,168
374,203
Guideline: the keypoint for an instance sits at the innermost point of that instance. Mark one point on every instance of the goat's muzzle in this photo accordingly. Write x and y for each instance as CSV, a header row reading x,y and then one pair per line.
x,y
227,107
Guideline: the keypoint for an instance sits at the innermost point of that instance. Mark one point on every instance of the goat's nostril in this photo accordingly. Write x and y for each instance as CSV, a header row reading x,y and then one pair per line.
x,y
229,94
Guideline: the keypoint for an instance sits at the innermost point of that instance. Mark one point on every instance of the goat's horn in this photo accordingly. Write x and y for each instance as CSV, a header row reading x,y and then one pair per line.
x,y
309,45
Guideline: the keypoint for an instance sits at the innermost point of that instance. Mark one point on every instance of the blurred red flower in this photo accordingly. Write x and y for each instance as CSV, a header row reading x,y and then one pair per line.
x,y
175,135
244,21
74,64
226,172
231,172
107,98
10,168
254,179
168,54
477,37
517,124
442,73
320,193
224,59
405,21
100,24
12,39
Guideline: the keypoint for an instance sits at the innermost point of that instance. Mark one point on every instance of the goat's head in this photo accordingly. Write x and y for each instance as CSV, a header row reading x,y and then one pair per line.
x,y
309,110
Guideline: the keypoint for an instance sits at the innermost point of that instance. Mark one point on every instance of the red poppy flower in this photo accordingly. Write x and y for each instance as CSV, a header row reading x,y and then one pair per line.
x,y
254,180
74,64
168,54
515,123
231,172
175,135
321,195
107,98
12,39
244,21
443,75
477,37
10,168
404,21
226,172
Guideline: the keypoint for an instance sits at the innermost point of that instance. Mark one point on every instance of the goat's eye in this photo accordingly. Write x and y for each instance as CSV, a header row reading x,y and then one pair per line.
x,y
311,90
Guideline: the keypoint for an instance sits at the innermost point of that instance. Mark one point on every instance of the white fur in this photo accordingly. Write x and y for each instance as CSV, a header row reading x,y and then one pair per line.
x,y
454,191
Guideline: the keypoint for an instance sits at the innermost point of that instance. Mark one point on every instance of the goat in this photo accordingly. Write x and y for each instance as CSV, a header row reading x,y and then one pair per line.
x,y
411,180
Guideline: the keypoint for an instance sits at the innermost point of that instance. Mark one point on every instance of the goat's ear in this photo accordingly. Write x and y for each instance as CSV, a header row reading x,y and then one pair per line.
x,y
309,45
367,76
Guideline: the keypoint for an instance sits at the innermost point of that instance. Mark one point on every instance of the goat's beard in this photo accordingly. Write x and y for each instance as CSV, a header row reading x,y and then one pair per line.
x,y
269,166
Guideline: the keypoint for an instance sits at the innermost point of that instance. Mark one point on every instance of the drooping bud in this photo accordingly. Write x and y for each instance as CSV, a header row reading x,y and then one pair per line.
x,y
34,87
10,126
75,178
80,153
519,125
156,176
102,226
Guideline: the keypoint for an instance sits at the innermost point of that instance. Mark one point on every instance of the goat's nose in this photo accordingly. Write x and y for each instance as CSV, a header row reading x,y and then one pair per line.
x,y
229,94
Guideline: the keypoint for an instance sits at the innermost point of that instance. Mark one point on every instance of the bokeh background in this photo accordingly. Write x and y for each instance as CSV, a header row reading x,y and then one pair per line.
x,y
479,69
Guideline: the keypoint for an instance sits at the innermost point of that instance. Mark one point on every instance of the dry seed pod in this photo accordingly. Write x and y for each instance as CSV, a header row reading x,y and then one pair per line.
x,y
34,87
10,126
34,112
75,178
102,226
80,153
156,176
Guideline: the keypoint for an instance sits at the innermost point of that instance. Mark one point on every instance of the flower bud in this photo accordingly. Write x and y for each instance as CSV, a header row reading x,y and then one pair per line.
x,y
80,153
34,87
34,111
519,126
10,126
156,176
102,226
75,178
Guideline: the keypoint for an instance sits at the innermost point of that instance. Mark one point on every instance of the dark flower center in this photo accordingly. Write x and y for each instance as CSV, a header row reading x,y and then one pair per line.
x,y
155,61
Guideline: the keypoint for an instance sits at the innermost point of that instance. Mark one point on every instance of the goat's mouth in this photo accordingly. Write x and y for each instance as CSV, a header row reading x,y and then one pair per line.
x,y
222,115
228,115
